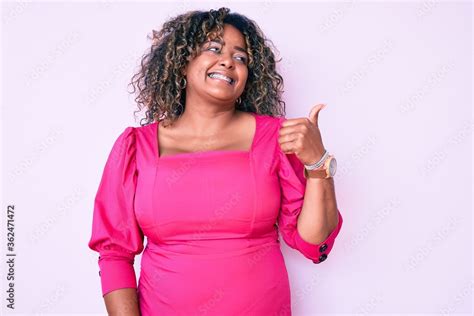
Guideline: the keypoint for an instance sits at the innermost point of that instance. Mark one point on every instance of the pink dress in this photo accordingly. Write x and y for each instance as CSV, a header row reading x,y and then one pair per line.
x,y
210,219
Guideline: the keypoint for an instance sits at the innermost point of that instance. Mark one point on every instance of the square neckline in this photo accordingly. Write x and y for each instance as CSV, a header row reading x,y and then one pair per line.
x,y
207,152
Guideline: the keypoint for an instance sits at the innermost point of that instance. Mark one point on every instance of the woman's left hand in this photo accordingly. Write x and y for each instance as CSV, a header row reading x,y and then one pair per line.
x,y
302,137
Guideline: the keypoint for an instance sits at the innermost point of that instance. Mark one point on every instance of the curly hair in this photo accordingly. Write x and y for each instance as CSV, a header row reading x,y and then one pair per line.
x,y
160,79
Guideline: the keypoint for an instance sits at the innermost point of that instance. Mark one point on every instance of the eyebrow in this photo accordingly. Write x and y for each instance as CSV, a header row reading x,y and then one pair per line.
x,y
235,47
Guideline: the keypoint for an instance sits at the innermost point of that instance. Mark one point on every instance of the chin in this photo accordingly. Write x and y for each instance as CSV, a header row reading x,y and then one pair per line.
x,y
222,95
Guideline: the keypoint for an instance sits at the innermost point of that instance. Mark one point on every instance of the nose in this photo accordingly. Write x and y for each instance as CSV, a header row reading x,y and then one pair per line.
x,y
226,61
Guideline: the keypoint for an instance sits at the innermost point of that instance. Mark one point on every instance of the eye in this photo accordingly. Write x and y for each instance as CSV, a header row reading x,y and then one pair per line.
x,y
243,59
213,47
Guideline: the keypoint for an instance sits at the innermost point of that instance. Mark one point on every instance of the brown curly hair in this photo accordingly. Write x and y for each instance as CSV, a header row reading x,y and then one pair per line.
x,y
160,79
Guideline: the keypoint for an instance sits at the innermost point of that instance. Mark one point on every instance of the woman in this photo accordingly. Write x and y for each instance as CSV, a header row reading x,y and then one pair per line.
x,y
208,177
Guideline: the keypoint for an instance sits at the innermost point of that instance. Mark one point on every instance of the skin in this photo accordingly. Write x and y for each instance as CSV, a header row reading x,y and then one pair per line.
x,y
210,120
122,302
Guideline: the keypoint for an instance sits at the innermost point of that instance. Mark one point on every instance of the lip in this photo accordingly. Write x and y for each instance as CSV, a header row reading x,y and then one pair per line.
x,y
224,74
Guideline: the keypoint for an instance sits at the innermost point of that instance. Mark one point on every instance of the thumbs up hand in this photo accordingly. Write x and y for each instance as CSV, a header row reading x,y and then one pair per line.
x,y
302,137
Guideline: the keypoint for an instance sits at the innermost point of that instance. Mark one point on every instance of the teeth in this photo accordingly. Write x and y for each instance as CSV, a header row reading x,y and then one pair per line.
x,y
219,76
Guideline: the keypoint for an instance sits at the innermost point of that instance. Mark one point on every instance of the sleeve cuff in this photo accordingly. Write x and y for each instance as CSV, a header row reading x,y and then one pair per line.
x,y
116,274
318,252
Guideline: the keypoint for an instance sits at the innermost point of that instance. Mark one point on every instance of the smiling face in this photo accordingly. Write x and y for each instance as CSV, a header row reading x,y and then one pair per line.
x,y
227,60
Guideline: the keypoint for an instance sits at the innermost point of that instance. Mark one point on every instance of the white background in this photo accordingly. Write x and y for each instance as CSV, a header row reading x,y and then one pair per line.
x,y
397,81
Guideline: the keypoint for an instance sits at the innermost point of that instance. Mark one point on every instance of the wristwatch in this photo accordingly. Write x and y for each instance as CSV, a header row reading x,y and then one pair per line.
x,y
323,169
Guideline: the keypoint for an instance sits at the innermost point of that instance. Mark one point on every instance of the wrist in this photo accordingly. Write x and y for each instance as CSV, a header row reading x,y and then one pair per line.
x,y
319,163
326,170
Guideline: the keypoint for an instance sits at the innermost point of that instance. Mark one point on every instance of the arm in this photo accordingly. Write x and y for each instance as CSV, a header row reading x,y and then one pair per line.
x,y
314,232
122,302
116,235
319,216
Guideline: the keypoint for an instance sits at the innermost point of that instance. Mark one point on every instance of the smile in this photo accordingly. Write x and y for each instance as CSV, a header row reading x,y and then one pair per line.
x,y
218,76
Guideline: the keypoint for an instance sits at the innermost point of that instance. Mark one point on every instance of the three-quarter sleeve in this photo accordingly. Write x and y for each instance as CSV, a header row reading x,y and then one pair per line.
x,y
293,186
116,235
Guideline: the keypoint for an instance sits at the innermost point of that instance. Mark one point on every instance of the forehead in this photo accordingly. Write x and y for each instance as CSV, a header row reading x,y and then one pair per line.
x,y
231,31
232,36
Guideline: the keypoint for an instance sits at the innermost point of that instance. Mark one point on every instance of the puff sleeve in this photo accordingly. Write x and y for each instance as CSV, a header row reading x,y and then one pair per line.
x,y
293,186
116,235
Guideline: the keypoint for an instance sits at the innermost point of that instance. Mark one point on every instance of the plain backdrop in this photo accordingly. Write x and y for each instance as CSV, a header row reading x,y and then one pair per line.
x,y
397,81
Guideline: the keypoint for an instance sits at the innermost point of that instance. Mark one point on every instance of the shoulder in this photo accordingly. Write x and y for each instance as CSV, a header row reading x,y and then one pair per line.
x,y
267,117
127,136
268,121
138,136
142,133
268,133
123,147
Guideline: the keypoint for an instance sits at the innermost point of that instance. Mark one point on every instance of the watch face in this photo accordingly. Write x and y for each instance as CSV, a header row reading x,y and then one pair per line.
x,y
332,167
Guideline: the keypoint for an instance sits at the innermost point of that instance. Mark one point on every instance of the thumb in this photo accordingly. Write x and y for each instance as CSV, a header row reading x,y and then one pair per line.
x,y
314,113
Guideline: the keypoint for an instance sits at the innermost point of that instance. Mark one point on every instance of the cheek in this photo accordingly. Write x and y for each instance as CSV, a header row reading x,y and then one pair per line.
x,y
198,72
243,77
200,65
201,72
206,59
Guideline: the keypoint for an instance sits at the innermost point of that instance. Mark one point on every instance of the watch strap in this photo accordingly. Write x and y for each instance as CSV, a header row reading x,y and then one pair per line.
x,y
318,173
